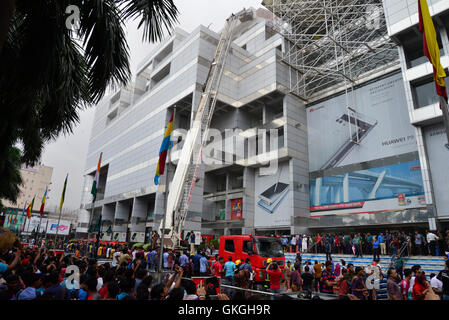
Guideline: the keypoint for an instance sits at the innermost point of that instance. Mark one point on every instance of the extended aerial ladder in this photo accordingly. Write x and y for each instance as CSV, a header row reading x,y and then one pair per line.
x,y
186,174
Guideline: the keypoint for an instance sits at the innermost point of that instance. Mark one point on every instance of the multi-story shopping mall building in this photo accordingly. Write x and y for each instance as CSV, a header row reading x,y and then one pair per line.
x,y
336,96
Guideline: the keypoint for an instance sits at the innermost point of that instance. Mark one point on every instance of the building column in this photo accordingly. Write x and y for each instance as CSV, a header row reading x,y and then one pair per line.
x,y
121,212
107,220
139,213
248,197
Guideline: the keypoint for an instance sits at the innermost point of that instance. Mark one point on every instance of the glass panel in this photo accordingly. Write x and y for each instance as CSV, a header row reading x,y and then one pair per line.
x,y
425,94
269,247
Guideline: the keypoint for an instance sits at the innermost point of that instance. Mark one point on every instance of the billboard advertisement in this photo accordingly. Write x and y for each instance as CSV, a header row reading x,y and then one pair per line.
x,y
137,237
32,224
15,221
43,226
236,209
273,198
363,153
104,236
395,186
63,227
119,236
438,155
380,126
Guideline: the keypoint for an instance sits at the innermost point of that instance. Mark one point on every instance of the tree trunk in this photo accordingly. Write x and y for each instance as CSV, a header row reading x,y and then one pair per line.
x,y
6,12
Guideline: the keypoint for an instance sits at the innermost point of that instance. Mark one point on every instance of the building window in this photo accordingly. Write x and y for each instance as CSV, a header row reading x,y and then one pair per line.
x,y
221,183
424,93
159,77
412,43
229,246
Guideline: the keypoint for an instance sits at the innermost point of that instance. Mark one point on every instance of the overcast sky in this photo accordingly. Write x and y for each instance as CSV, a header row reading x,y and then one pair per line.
x,y
68,153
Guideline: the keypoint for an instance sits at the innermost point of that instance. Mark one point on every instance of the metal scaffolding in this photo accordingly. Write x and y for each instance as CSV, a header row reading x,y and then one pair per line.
x,y
331,43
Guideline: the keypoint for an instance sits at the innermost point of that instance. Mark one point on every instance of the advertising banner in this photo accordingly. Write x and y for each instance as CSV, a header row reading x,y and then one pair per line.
x,y
396,186
15,221
104,236
63,227
43,225
32,224
380,126
137,237
362,152
6,222
273,203
119,236
236,209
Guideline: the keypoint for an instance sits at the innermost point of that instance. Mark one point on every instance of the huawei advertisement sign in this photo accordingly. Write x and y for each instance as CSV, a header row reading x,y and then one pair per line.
x,y
363,157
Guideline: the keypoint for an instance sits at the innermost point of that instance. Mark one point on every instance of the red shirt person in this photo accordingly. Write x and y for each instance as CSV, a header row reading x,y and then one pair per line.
x,y
275,274
217,267
420,288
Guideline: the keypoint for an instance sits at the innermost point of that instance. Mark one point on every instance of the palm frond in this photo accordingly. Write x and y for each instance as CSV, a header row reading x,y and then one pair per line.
x,y
106,49
155,16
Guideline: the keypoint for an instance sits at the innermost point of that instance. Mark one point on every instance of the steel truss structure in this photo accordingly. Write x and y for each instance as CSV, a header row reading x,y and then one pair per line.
x,y
331,43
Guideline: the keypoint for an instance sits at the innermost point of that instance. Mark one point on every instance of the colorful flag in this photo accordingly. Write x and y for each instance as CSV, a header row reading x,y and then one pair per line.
x,y
30,208
96,180
163,151
431,48
63,193
41,211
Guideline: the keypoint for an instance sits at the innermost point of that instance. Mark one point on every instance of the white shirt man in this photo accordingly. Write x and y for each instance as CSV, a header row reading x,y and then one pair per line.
x,y
431,237
293,241
115,258
304,244
436,284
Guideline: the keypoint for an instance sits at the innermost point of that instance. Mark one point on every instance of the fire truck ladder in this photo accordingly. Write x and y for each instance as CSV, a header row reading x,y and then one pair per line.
x,y
186,173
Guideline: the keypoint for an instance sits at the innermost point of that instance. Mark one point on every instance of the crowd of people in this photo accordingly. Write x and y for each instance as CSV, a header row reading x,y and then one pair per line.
x,y
383,243
359,282
45,271
38,273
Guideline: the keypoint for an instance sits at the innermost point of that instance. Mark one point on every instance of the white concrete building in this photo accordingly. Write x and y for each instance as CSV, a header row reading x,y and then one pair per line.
x,y
129,127
354,116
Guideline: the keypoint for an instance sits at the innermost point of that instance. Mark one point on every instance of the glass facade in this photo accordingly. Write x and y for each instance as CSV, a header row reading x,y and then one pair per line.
x,y
413,48
425,94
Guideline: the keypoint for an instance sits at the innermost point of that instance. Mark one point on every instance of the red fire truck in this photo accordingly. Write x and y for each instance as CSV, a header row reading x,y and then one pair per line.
x,y
258,249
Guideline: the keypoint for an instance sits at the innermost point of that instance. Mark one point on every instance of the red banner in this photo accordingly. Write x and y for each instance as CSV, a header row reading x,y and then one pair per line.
x,y
236,209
